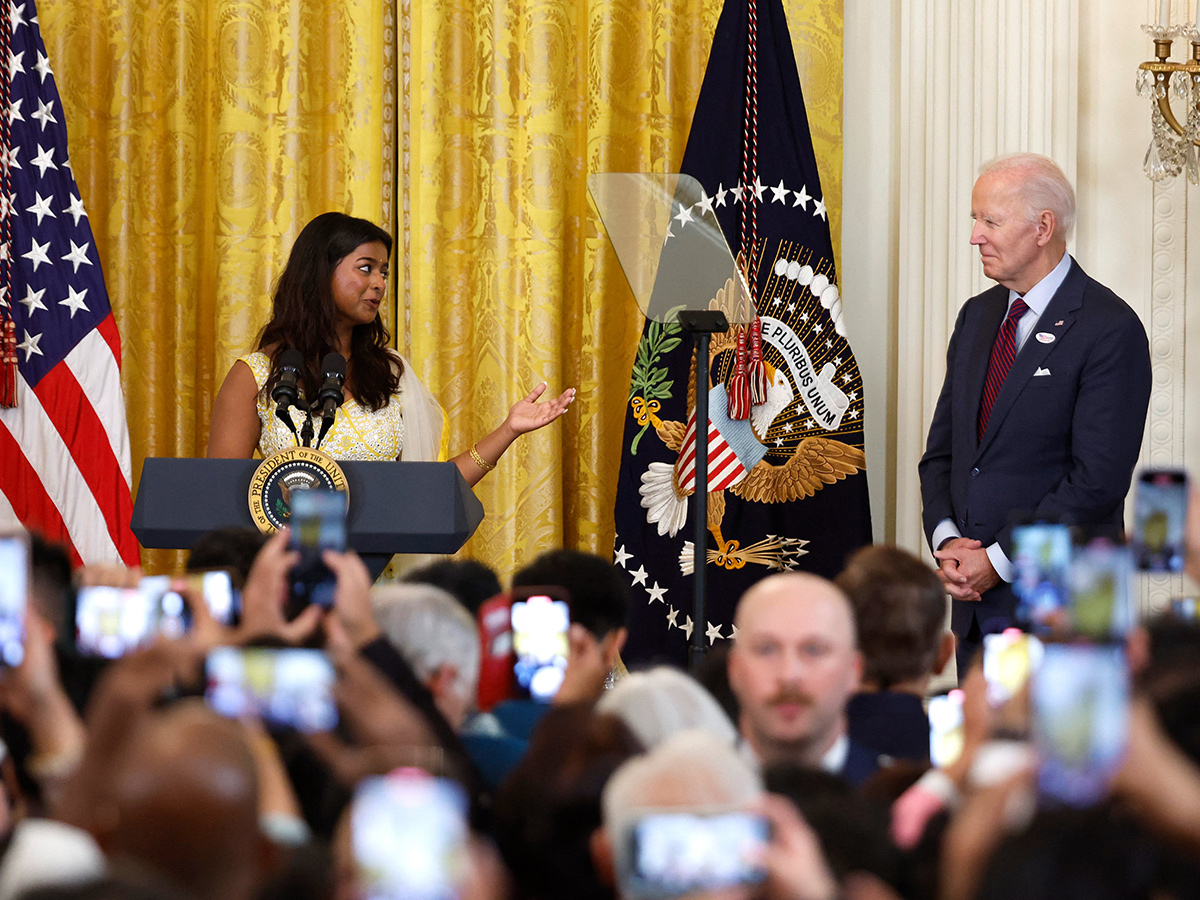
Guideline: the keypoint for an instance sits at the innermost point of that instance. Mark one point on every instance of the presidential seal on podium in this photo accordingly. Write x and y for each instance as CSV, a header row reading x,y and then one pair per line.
x,y
285,471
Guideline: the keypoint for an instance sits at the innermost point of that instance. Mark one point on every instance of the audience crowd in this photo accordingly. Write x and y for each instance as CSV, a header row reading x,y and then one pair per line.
x,y
796,765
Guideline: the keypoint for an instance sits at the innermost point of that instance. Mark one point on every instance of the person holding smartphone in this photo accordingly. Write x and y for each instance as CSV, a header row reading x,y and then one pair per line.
x,y
327,301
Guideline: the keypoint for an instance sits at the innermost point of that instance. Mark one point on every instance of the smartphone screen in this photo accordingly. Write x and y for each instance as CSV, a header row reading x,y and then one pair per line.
x,y
1101,601
318,523
112,621
1009,658
283,686
1186,609
14,593
409,834
945,728
539,626
672,854
1159,520
216,587
1041,566
1080,699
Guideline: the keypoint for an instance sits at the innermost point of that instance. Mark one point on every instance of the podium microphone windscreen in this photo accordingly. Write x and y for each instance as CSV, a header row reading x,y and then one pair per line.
x,y
290,363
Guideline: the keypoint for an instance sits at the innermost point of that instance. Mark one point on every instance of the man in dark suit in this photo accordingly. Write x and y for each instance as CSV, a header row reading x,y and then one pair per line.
x,y
1044,403
793,665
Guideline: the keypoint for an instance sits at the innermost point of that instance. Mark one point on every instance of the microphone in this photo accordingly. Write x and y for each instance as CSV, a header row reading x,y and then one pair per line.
x,y
286,392
330,397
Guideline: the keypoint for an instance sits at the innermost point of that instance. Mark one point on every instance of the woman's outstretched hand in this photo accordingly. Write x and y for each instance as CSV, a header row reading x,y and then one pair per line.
x,y
528,414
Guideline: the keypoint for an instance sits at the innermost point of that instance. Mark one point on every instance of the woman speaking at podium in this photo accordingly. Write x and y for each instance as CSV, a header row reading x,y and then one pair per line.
x,y
327,301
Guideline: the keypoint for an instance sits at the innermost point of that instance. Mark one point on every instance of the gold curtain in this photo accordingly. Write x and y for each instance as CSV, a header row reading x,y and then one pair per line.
x,y
205,133
504,110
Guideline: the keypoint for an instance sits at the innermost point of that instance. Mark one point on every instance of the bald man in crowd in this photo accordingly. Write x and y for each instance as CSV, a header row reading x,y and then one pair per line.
x,y
793,666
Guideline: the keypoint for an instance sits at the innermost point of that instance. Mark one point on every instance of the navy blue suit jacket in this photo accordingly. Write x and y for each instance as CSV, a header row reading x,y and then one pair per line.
x,y
1058,446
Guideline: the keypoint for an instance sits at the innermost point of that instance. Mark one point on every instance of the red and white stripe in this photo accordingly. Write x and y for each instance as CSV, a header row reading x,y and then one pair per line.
x,y
64,452
724,468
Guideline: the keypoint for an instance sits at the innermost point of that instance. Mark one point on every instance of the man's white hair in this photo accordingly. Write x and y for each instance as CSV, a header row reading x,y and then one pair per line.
x,y
431,629
1044,186
663,701
692,770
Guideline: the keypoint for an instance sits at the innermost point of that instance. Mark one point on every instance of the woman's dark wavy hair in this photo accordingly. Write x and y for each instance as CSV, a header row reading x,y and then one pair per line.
x,y
303,312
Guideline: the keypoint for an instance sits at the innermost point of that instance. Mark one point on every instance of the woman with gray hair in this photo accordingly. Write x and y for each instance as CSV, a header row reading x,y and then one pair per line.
x,y
660,702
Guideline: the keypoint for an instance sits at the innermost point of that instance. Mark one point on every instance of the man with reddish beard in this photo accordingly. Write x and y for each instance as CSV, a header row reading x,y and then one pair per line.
x,y
793,666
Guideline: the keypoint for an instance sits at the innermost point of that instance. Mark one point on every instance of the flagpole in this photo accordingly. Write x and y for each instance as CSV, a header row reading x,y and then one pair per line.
x,y
701,323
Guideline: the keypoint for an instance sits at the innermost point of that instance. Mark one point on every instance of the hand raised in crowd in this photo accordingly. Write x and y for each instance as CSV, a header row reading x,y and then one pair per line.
x,y
386,730
795,864
527,414
33,695
351,598
265,594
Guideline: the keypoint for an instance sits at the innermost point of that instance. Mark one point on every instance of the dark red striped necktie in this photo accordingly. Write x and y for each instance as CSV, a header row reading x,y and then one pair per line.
x,y
1004,351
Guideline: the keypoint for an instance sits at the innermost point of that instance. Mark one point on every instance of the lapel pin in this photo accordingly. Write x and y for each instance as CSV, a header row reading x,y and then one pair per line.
x,y
1059,322
1044,336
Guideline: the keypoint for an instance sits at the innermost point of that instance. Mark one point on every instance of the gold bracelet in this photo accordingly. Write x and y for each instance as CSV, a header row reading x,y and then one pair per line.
x,y
479,460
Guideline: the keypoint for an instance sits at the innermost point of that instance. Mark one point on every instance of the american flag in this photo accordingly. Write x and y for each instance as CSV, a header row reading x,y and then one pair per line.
x,y
64,448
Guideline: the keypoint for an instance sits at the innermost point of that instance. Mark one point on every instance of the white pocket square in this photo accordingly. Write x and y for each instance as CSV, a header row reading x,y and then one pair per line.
x,y
1041,371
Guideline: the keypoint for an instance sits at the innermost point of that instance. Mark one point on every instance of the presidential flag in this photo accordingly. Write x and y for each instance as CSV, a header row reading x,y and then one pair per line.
x,y
786,470
64,446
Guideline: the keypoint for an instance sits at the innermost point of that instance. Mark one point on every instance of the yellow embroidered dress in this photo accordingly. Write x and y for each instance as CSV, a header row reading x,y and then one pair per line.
x,y
412,426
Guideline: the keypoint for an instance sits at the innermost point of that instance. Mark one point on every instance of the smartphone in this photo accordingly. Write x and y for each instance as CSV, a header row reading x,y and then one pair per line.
x,y
1080,701
409,836
1186,609
945,728
318,523
1160,520
496,658
539,634
1041,566
224,602
1101,603
112,621
671,854
14,594
283,686
1009,658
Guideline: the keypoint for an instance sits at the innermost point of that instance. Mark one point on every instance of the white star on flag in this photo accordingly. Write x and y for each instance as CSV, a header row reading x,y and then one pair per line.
x,y
656,593
41,208
32,300
687,627
721,192
45,113
759,187
706,204
819,208
639,575
30,345
620,557
43,160
37,254
74,300
712,633
75,210
684,215
780,193
802,197
78,255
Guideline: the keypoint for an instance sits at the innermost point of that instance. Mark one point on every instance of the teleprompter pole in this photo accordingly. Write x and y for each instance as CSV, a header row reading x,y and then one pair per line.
x,y
702,324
